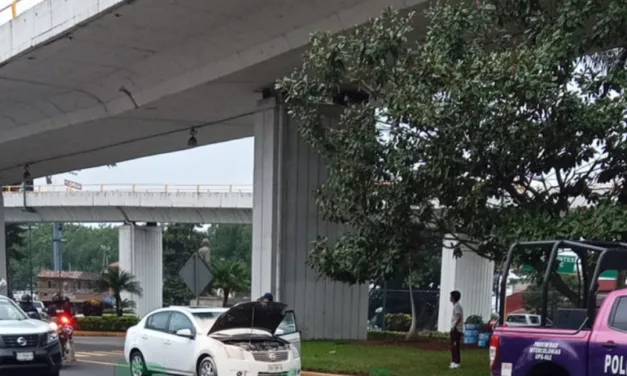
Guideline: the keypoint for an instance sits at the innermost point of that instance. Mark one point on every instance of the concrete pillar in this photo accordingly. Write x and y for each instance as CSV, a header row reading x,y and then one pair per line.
x,y
4,259
285,222
141,254
472,276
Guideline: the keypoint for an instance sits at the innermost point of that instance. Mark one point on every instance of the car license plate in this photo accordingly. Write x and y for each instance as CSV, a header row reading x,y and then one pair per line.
x,y
25,356
275,368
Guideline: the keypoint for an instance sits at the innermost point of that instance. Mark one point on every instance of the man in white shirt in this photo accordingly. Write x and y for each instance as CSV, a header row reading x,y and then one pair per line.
x,y
457,329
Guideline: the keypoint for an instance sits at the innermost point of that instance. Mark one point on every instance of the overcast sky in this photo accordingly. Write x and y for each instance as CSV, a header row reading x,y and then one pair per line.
x,y
219,164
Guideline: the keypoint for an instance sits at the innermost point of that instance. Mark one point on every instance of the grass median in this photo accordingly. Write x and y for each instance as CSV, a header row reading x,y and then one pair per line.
x,y
388,360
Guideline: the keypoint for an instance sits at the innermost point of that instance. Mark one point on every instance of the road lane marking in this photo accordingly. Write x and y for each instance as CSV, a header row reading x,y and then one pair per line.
x,y
100,353
120,364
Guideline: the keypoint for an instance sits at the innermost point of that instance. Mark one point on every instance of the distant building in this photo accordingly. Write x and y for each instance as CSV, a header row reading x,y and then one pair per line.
x,y
78,286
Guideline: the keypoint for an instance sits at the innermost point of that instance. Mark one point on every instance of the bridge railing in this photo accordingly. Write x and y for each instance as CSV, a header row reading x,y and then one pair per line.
x,y
136,188
11,9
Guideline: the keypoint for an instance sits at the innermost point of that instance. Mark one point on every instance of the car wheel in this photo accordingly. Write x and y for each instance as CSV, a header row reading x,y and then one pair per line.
x,y
206,367
138,364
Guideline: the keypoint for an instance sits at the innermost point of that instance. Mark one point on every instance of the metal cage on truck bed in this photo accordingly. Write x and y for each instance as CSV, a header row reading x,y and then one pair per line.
x,y
612,256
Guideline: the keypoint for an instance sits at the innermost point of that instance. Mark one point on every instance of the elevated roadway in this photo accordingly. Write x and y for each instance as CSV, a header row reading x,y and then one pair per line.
x,y
130,203
86,83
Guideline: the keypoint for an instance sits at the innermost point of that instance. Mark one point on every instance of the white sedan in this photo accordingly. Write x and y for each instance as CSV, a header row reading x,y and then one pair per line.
x,y
244,340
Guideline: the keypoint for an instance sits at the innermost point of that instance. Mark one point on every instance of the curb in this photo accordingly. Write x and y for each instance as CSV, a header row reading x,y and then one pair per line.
x,y
83,333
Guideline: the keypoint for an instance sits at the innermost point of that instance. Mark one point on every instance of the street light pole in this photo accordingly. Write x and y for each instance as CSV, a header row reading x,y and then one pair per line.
x,y
30,260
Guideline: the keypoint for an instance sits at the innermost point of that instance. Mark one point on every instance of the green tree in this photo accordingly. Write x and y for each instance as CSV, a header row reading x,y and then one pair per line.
x,y
85,248
119,281
232,242
180,241
229,276
490,126
532,296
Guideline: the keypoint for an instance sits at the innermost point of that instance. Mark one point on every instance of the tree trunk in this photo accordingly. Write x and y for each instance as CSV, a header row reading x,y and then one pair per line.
x,y
118,304
225,297
620,279
413,329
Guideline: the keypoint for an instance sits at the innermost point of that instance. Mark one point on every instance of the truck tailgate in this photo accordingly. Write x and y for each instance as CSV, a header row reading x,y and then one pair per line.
x,y
520,349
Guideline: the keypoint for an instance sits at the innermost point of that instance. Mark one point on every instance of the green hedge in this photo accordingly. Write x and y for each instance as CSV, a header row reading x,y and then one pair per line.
x,y
400,336
397,322
106,323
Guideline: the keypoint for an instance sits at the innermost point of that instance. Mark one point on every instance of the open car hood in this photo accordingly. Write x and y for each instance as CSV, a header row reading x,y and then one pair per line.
x,y
256,315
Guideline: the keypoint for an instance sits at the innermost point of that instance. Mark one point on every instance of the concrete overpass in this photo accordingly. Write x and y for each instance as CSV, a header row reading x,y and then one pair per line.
x,y
85,83
130,203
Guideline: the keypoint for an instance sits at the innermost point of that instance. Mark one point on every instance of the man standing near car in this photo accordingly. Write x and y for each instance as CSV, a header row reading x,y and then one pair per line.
x,y
457,329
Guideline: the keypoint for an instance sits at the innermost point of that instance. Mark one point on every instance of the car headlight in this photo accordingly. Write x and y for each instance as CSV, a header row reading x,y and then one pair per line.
x,y
235,352
53,337
53,326
295,353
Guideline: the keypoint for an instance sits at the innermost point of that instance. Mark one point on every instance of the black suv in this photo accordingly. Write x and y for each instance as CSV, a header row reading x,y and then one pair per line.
x,y
27,344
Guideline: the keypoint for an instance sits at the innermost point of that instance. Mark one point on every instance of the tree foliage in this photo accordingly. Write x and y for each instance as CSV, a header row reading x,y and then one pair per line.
x,y
229,276
119,281
491,125
180,241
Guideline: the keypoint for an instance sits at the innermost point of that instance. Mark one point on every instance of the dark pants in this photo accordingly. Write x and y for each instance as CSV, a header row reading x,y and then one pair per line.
x,y
456,340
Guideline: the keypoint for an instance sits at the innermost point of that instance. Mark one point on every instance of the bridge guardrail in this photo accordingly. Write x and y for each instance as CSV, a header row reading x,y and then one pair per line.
x,y
135,188
14,8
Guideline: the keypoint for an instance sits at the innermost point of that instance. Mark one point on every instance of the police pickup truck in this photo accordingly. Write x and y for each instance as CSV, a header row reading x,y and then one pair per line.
x,y
584,341
27,345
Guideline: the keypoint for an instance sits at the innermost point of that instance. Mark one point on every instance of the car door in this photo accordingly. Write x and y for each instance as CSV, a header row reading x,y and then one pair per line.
x,y
181,351
608,344
288,330
152,340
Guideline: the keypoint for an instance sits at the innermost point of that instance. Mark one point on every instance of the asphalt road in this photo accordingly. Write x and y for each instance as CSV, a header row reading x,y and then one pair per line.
x,y
97,357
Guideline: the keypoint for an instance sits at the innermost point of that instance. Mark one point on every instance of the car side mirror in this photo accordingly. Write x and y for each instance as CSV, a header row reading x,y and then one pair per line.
x,y
187,333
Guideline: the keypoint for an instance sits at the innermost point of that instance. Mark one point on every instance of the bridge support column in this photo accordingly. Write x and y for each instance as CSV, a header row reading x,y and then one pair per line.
x,y
4,259
285,222
471,275
141,254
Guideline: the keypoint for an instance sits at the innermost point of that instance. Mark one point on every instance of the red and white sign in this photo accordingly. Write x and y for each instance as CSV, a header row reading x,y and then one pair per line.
x,y
73,185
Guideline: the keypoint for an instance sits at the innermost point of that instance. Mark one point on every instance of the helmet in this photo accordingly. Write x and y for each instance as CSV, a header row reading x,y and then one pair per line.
x,y
268,296
26,298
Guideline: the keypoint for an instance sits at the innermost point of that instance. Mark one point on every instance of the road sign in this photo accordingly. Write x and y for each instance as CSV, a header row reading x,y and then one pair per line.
x,y
73,184
196,274
566,265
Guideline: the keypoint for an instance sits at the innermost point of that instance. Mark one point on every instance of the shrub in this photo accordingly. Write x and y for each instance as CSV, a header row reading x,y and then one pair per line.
x,y
474,319
397,322
106,323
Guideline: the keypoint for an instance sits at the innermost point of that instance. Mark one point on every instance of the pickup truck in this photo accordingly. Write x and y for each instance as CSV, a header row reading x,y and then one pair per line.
x,y
589,341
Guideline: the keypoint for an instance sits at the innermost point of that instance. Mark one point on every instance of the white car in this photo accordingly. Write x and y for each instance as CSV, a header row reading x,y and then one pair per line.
x,y
524,319
244,340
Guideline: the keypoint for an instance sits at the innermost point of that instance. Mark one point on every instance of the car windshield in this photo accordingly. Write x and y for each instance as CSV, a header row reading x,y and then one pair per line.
x,y
206,319
10,311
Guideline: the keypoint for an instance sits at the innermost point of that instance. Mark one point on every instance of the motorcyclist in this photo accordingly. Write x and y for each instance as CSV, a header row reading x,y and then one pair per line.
x,y
27,306
68,310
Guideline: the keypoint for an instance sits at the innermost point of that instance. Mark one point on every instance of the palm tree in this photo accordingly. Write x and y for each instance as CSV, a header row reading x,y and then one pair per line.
x,y
118,281
229,276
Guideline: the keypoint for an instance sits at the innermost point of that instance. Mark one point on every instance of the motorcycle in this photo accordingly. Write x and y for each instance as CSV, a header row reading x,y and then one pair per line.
x,y
65,329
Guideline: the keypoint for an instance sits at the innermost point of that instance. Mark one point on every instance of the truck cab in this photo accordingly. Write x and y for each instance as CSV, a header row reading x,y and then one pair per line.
x,y
584,341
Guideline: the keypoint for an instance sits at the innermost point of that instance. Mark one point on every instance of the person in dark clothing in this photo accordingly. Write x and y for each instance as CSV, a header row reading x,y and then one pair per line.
x,y
27,306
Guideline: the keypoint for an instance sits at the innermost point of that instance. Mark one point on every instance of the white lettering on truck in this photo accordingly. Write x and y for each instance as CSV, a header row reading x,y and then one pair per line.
x,y
615,364
545,350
